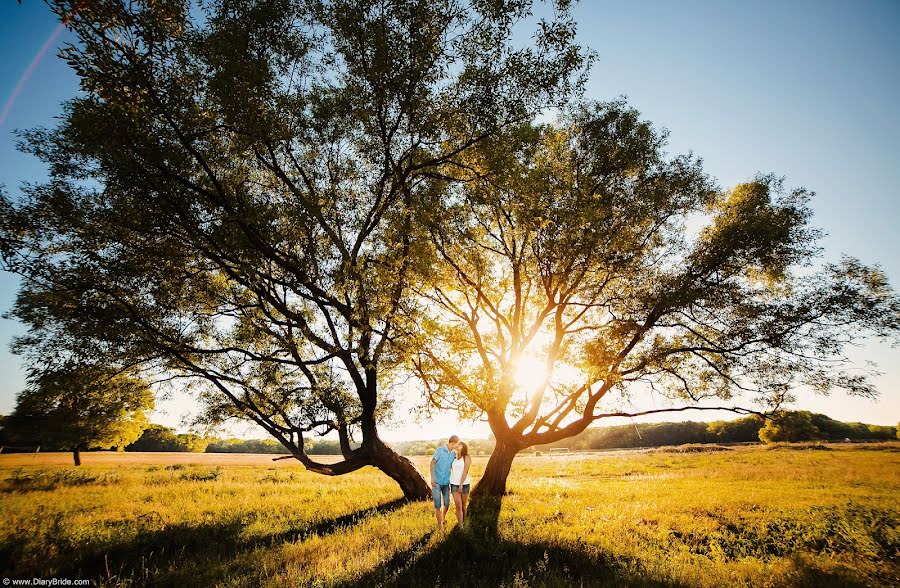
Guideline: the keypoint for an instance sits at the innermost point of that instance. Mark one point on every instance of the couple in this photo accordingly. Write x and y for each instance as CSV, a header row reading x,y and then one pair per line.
x,y
450,474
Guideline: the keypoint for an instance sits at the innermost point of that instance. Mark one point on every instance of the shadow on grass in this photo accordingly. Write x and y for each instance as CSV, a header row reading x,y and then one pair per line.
x,y
475,556
478,556
183,554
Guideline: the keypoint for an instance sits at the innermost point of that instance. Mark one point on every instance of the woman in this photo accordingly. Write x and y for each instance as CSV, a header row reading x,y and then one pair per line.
x,y
460,481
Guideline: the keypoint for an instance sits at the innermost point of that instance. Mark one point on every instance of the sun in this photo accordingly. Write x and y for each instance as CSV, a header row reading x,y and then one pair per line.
x,y
530,372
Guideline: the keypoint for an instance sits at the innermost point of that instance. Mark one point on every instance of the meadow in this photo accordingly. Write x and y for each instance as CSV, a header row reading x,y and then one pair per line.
x,y
789,516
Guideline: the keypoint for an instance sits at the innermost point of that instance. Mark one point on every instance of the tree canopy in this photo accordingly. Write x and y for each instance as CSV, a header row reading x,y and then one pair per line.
x,y
76,408
590,258
288,205
232,199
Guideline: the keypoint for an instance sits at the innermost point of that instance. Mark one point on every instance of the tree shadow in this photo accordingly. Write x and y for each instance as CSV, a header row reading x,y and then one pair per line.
x,y
808,576
477,555
474,556
178,554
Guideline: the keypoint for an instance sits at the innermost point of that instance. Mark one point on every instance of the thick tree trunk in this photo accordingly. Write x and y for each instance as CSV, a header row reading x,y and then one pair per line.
x,y
493,482
401,470
376,454
76,455
398,468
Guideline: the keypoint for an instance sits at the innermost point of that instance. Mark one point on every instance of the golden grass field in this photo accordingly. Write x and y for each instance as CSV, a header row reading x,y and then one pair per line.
x,y
743,517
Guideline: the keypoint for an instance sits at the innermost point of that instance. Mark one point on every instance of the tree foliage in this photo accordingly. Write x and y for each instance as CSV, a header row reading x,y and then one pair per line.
x,y
80,407
584,248
232,199
790,426
743,430
161,438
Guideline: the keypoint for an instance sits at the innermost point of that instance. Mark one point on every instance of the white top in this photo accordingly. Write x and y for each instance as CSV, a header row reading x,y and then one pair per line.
x,y
456,470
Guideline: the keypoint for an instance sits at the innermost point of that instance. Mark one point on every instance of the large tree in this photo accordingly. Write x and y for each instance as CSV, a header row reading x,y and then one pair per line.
x,y
584,261
233,196
80,407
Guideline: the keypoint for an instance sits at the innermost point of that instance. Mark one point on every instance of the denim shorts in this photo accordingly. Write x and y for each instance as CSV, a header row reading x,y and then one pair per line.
x,y
438,491
455,488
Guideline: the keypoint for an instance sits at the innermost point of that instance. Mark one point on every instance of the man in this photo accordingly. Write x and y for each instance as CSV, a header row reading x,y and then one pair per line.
x,y
440,478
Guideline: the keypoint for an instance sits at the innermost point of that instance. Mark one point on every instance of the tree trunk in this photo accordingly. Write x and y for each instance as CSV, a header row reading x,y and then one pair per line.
x,y
401,470
76,454
493,482
398,468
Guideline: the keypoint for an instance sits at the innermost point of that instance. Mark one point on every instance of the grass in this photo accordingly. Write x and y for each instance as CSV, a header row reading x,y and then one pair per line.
x,y
747,516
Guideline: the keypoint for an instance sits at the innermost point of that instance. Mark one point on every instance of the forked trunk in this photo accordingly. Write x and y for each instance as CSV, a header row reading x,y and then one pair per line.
x,y
493,482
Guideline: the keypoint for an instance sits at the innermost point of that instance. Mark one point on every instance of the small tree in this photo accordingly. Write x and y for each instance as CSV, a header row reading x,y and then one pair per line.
x,y
573,267
80,408
789,426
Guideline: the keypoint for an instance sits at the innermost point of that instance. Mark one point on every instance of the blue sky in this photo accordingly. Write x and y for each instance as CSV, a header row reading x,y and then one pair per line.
x,y
807,90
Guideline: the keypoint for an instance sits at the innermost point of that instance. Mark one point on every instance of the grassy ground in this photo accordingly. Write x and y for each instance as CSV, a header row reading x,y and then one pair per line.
x,y
749,516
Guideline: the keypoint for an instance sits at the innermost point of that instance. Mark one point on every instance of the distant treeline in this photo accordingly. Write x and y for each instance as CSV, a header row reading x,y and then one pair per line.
x,y
792,426
328,447
234,445
161,438
476,446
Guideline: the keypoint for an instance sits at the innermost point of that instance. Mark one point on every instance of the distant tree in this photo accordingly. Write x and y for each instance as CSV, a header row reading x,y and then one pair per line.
x,y
76,408
328,447
856,430
232,445
837,430
155,438
789,426
161,438
898,430
193,443
235,445
741,430
882,432
639,435
427,447
610,437
234,195
577,250
643,435
678,433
